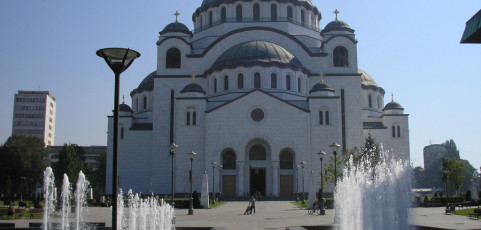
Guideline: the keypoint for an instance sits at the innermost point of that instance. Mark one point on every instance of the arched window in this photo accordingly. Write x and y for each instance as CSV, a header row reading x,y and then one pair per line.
x,y
172,58
257,152
299,84
145,102
393,131
327,117
122,133
273,81
191,117
340,57
321,117
369,101
188,119
136,103
229,160
288,82
200,21
257,12
238,13
398,131
289,13
223,14
215,85
240,81
313,20
286,160
303,19
194,118
210,18
379,102
226,82
257,80
273,13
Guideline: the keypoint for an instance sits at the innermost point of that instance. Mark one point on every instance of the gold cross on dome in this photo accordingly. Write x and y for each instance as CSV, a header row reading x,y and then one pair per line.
x,y
336,12
193,78
176,15
322,77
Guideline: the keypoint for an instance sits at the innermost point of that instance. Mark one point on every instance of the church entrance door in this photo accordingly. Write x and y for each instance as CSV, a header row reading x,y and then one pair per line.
x,y
228,185
258,180
287,186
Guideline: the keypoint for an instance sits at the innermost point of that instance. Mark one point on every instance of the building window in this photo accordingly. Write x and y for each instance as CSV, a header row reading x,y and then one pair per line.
x,y
299,84
122,133
369,99
257,12
210,18
286,160
215,85
393,131
257,152
288,82
273,81
257,80
191,117
324,117
257,115
194,118
340,57
145,102
273,13
379,102
327,117
240,81
238,13
321,118
223,14
172,58
188,118
289,13
229,160
303,20
226,82
136,103
200,21
398,131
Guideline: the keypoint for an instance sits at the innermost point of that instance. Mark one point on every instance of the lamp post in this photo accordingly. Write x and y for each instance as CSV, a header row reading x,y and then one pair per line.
x,y
297,182
335,146
191,202
220,180
445,180
321,195
172,148
303,164
213,181
118,59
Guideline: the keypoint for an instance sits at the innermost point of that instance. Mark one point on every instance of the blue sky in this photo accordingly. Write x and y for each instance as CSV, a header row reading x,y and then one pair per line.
x,y
410,48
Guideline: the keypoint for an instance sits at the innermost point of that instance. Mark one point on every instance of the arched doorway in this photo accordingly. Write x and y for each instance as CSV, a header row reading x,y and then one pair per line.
x,y
257,175
286,162
229,170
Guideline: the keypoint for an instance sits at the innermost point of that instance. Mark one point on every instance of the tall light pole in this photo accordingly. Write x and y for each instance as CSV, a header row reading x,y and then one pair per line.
x,y
172,148
303,164
297,182
118,59
213,181
220,180
335,146
191,202
321,195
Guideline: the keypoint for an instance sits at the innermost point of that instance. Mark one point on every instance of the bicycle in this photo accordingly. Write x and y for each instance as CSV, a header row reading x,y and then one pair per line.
x,y
315,208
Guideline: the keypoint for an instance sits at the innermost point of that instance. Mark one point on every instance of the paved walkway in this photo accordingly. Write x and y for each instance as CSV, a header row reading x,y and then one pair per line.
x,y
276,215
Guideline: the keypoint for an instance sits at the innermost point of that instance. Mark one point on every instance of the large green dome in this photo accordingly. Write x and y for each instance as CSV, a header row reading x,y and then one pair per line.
x,y
256,53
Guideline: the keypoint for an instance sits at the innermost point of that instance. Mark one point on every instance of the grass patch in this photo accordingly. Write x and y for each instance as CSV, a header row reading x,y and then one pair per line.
x,y
299,203
464,212
217,203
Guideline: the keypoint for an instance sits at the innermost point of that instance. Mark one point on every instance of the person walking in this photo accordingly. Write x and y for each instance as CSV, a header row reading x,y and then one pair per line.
x,y
252,203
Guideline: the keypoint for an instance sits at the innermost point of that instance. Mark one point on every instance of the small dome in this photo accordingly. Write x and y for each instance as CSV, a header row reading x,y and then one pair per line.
x,y
392,105
176,27
320,87
366,79
125,108
193,87
146,85
337,25
256,53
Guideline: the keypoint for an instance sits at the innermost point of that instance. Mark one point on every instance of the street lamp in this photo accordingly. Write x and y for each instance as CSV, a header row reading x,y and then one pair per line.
x,y
297,182
303,164
118,59
172,148
213,182
335,146
445,180
191,202
321,198
220,179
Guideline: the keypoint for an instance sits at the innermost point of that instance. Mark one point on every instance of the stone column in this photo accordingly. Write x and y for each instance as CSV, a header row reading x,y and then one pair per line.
x,y
240,178
275,178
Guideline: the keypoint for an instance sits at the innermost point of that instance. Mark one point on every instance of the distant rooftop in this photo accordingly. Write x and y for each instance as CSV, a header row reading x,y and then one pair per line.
x,y
472,33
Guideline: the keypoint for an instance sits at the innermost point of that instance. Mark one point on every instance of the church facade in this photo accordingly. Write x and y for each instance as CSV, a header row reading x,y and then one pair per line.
x,y
256,87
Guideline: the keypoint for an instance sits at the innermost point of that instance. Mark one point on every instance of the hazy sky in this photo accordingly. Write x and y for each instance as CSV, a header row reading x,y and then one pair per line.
x,y
410,48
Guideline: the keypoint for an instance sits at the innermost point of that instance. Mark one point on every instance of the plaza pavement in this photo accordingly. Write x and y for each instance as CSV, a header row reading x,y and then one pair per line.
x,y
276,215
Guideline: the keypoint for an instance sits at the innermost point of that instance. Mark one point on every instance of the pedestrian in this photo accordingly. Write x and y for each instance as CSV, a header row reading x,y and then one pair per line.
x,y
259,196
252,203
11,211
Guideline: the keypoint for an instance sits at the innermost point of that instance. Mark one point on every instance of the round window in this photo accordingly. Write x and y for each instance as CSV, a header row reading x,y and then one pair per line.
x,y
257,114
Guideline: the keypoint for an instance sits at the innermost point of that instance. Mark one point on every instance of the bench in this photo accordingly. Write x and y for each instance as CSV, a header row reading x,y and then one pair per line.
x,y
3,213
476,213
35,211
7,225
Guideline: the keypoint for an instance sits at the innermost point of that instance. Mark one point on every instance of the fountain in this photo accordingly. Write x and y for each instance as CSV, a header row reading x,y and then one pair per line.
x,y
141,214
379,199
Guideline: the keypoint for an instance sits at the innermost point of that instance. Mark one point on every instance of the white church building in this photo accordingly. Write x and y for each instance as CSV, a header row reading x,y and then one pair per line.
x,y
258,88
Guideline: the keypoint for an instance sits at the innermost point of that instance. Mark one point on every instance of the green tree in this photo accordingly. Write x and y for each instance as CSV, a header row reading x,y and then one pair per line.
x,y
418,177
330,170
69,162
97,181
455,173
22,164
370,154
452,150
